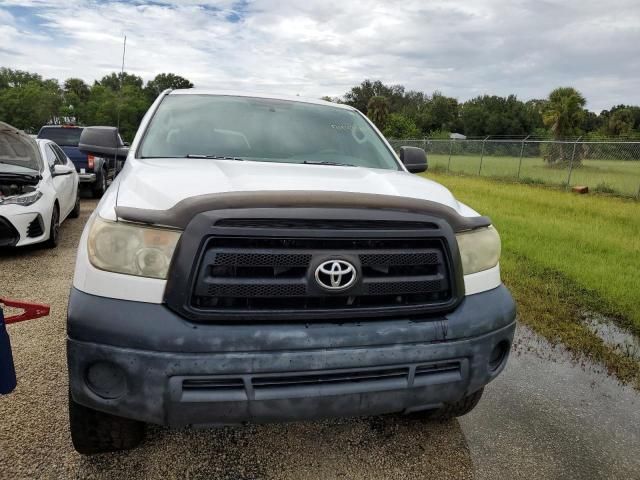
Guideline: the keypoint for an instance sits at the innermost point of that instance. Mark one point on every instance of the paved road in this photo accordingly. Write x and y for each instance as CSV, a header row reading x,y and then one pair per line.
x,y
545,417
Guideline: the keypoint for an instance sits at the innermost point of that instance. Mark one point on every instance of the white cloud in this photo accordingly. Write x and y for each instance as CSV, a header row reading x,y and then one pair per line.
x,y
320,47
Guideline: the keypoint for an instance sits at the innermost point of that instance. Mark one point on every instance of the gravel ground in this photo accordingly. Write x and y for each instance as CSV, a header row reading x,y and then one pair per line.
x,y
545,417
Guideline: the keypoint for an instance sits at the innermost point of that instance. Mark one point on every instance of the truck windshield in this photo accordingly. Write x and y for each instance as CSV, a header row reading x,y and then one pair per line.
x,y
63,136
262,129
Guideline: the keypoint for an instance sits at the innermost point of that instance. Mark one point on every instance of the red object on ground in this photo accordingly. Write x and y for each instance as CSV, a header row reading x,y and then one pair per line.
x,y
31,310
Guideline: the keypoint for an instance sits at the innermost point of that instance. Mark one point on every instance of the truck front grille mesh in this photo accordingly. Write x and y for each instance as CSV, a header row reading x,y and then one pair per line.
x,y
258,274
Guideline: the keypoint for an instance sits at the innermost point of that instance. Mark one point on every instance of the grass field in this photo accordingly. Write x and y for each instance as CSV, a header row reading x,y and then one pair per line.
x,y
564,254
612,176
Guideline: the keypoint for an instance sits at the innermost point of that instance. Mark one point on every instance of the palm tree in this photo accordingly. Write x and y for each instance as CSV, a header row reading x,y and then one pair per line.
x,y
620,123
563,113
378,111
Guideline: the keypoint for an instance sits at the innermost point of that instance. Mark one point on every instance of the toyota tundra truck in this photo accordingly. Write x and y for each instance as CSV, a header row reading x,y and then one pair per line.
x,y
264,259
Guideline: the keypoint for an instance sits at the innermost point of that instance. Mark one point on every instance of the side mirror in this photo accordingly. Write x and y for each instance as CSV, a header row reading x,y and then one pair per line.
x,y
59,170
415,159
102,142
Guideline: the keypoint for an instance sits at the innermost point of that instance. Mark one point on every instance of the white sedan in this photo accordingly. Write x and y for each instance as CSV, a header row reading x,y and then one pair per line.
x,y
38,189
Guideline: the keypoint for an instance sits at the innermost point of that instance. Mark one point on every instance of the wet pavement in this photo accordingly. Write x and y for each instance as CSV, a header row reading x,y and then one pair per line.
x,y
546,416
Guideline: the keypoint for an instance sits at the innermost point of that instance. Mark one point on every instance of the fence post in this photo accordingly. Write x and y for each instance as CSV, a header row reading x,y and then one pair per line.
x,y
521,153
638,194
482,154
573,154
450,150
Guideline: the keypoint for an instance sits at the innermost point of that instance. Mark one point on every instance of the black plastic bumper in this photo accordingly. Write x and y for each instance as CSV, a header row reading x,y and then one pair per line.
x,y
143,361
9,236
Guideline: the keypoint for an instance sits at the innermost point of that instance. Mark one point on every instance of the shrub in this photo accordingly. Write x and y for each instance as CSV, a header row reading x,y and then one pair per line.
x,y
604,187
532,181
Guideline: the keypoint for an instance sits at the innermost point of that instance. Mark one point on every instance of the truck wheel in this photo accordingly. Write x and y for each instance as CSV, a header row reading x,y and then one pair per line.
x,y
97,432
54,228
75,213
452,410
101,185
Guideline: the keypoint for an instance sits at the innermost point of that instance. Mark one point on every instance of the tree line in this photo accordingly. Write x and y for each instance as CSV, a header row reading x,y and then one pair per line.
x,y
402,113
29,101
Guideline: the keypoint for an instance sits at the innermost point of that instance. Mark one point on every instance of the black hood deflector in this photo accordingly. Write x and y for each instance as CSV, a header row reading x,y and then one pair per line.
x,y
182,212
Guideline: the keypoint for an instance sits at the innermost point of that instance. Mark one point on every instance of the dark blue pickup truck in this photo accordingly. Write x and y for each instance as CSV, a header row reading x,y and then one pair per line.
x,y
93,171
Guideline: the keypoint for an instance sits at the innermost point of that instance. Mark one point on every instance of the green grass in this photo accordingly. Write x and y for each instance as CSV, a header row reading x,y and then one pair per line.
x,y
564,254
615,176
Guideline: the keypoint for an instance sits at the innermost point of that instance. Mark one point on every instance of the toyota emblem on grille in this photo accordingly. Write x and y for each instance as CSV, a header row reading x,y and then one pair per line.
x,y
336,275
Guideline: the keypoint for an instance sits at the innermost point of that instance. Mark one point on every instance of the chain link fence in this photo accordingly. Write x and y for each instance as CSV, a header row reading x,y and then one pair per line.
x,y
603,166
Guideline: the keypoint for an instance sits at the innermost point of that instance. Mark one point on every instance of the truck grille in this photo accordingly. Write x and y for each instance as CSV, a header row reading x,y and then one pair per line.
x,y
251,275
322,224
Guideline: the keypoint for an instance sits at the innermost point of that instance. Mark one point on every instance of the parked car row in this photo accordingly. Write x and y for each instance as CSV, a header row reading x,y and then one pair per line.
x,y
92,170
40,182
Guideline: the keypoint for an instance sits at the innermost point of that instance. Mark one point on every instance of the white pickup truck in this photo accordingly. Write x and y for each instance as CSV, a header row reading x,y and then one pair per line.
x,y
264,258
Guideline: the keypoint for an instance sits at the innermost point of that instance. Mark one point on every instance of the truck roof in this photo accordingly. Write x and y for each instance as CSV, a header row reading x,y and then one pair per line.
x,y
233,93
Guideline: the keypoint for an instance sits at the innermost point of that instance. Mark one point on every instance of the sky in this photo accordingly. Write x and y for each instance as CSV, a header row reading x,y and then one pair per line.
x,y
324,47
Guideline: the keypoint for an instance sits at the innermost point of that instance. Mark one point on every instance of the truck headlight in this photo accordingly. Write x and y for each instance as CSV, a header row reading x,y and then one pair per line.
x,y
25,200
479,249
131,249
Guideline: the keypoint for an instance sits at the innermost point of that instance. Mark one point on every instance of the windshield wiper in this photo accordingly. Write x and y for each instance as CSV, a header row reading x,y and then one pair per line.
x,y
215,157
334,164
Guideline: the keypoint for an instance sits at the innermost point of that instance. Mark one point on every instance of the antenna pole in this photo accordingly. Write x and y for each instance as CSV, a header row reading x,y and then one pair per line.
x,y
124,51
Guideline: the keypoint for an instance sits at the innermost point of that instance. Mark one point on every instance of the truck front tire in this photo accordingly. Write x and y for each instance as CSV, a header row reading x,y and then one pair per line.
x,y
95,432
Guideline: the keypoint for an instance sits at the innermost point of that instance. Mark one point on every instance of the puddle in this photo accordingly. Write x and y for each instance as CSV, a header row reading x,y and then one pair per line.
x,y
529,344
619,339
552,415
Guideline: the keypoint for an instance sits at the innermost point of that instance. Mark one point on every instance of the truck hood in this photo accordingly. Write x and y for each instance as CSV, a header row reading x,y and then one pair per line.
x,y
158,184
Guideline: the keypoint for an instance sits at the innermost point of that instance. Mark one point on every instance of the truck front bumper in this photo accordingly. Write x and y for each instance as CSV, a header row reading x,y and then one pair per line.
x,y
143,361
